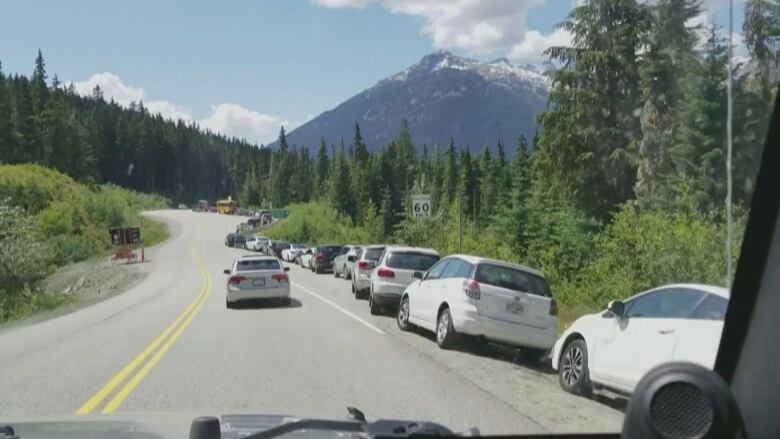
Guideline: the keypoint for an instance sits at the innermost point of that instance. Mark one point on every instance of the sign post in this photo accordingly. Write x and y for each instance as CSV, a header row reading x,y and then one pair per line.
x,y
421,206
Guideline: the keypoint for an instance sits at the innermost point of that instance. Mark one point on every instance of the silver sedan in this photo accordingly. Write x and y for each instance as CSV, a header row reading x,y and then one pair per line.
x,y
257,277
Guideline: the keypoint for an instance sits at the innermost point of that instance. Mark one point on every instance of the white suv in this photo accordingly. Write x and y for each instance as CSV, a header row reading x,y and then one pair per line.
x,y
503,302
394,272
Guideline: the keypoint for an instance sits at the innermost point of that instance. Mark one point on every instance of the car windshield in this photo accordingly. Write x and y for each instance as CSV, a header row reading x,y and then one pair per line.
x,y
410,260
257,264
512,278
373,254
518,172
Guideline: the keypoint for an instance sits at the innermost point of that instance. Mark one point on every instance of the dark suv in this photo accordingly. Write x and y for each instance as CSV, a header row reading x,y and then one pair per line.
x,y
323,259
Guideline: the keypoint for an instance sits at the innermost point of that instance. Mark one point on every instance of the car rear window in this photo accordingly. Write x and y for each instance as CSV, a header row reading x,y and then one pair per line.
x,y
373,254
282,244
411,261
258,264
513,279
299,245
331,250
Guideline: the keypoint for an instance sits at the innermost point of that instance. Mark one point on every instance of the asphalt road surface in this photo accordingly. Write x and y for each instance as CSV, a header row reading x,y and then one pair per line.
x,y
169,345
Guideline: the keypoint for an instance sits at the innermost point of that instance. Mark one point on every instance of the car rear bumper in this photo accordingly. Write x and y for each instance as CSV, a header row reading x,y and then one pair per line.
x,y
362,281
467,321
266,293
385,299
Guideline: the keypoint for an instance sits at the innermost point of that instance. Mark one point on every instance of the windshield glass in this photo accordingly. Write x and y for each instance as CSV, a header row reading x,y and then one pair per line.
x,y
583,152
410,261
512,279
258,264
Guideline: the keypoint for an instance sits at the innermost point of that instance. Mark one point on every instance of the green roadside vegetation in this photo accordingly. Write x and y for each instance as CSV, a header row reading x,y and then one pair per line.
x,y
635,251
48,220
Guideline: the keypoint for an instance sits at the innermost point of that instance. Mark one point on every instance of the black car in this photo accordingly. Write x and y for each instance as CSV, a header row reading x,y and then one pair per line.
x,y
278,246
323,260
239,240
230,238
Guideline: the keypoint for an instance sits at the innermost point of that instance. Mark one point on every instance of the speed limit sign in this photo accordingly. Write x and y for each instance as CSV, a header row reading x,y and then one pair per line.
x,y
421,206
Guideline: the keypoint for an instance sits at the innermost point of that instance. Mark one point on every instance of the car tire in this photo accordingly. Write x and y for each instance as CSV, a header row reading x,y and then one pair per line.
x,y
534,355
372,305
347,274
573,375
446,337
229,304
335,272
402,318
317,270
354,290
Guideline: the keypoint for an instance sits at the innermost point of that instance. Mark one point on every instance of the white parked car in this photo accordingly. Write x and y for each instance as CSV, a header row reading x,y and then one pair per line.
x,y
362,267
257,277
614,348
289,254
503,302
342,263
255,243
307,256
394,272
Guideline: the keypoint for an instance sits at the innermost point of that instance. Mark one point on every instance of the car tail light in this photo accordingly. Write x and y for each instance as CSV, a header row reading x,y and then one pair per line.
x,y
236,280
471,288
553,307
363,265
384,272
280,277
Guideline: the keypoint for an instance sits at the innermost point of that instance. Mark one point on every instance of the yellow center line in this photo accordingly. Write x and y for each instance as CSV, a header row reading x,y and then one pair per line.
x,y
175,328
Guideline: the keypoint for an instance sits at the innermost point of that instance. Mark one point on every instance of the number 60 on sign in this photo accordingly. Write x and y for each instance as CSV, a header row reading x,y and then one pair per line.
x,y
421,206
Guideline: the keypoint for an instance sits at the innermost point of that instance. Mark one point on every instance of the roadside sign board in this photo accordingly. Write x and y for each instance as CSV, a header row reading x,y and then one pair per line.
x,y
125,235
280,213
421,206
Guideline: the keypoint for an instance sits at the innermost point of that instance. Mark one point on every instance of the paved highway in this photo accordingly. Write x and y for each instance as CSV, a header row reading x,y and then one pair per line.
x,y
169,345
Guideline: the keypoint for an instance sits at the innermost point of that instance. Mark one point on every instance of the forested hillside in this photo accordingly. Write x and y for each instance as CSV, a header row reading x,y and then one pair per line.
x,y
96,140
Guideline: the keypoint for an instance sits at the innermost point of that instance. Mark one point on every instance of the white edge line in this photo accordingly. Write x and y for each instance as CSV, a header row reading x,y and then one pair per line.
x,y
348,313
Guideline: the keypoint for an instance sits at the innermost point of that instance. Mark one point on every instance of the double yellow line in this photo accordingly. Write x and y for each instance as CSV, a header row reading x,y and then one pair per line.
x,y
154,351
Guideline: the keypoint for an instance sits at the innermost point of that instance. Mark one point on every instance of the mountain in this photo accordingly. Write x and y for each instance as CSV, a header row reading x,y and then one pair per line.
x,y
441,96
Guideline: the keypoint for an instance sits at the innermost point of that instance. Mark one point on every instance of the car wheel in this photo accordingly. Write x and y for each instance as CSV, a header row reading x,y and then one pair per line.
x,y
318,270
403,315
573,374
335,272
372,305
354,291
228,303
347,274
446,336
534,355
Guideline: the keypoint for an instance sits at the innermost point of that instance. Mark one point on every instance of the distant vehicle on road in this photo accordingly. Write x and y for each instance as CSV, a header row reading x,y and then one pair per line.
x,y
289,254
227,207
257,277
323,259
342,265
182,206
201,206
615,347
255,243
230,239
278,247
503,302
307,257
394,272
362,267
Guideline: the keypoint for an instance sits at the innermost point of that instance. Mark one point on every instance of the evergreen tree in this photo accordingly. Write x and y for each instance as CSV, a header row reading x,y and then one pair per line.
x,y
322,168
488,187
387,212
451,181
585,151
8,148
359,148
340,187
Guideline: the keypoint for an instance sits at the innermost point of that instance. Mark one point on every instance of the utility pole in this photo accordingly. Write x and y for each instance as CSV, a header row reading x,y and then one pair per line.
x,y
460,222
729,111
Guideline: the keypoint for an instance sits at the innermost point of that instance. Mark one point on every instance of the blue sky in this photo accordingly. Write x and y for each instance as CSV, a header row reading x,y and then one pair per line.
x,y
245,67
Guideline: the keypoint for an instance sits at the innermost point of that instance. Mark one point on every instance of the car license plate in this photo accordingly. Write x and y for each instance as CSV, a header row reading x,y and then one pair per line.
x,y
514,307
258,282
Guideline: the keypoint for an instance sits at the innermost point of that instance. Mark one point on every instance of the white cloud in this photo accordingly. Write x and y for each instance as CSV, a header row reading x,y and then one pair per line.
x,y
477,26
534,44
169,110
225,118
235,120
112,86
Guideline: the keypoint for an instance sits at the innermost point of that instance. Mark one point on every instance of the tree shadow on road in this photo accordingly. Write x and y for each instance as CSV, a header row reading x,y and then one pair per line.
x,y
257,304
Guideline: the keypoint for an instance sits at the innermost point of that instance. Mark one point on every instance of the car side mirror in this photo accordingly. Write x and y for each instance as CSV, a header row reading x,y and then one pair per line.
x,y
417,275
617,308
226,271
286,268
351,258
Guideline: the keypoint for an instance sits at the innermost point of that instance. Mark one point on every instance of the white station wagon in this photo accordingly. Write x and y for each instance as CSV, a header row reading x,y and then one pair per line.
x,y
503,302
614,348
